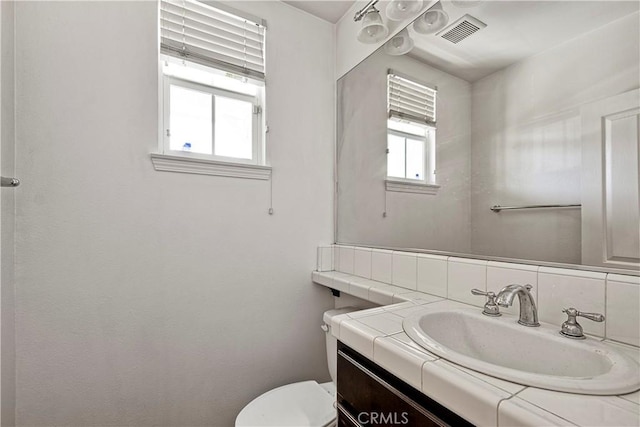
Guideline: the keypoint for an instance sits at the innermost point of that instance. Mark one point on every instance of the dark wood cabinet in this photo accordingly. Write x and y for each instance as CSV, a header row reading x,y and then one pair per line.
x,y
369,396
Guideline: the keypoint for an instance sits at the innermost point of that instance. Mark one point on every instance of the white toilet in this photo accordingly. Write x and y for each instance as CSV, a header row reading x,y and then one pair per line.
x,y
306,403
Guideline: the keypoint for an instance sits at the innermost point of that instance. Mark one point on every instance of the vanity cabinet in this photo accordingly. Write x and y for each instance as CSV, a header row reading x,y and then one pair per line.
x,y
367,395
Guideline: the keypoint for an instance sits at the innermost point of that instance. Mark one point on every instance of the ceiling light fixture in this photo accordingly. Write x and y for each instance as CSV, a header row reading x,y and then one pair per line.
x,y
433,20
398,10
373,27
399,44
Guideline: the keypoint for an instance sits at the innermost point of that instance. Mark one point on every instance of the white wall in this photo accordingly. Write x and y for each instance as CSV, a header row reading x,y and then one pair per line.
x,y
7,212
413,220
526,141
148,297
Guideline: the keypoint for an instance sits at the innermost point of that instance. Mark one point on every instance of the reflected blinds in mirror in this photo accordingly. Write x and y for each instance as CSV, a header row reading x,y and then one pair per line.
x,y
410,100
209,36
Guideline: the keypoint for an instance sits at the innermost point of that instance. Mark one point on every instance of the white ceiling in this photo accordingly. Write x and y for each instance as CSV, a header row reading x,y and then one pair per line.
x,y
515,30
329,10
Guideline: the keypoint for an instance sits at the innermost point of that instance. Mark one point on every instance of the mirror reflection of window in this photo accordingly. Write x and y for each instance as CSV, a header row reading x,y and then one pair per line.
x,y
410,130
407,150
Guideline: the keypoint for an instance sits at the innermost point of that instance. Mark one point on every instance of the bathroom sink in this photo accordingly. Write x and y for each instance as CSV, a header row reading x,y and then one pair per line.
x,y
533,356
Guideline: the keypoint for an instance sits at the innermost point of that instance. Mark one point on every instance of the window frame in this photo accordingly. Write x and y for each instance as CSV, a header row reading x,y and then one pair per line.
x,y
429,155
257,151
405,136
411,105
211,60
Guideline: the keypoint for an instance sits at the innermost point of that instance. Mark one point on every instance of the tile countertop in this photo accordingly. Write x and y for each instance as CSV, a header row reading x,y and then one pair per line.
x,y
483,400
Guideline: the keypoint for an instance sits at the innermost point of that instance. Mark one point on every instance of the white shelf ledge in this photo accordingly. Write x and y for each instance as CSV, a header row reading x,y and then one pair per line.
x,y
167,163
411,187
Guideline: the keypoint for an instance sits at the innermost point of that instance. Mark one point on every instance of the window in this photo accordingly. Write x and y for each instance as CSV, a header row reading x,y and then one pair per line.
x,y
212,91
219,119
411,131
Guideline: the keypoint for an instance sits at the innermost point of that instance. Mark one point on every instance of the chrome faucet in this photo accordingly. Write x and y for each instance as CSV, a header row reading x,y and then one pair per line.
x,y
571,328
528,310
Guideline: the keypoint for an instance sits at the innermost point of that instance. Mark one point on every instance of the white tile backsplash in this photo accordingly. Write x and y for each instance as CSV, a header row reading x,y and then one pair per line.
x,y
325,258
362,262
464,275
614,295
345,259
340,281
623,309
359,287
432,274
573,273
322,279
634,280
381,265
557,291
382,294
404,270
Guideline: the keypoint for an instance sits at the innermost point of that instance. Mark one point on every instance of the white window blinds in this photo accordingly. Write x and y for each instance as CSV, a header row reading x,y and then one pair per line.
x,y
410,101
208,36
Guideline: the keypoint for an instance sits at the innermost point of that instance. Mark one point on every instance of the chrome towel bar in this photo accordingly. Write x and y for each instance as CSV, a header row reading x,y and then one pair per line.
x,y
498,208
9,182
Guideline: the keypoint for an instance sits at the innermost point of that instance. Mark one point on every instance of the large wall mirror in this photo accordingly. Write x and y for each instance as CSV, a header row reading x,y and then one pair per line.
x,y
508,129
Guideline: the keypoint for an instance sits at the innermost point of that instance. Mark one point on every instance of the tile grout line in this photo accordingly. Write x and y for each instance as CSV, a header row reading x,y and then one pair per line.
x,y
498,409
392,268
543,409
502,400
373,349
448,277
416,257
486,277
606,313
619,396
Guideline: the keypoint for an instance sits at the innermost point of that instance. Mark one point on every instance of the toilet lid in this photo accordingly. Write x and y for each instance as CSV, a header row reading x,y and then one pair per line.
x,y
299,404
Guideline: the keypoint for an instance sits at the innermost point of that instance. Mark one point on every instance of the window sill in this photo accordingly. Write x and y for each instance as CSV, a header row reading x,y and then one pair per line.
x,y
167,163
411,187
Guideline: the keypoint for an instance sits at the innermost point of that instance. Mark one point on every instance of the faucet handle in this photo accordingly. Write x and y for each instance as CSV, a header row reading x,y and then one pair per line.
x,y
571,328
596,317
490,307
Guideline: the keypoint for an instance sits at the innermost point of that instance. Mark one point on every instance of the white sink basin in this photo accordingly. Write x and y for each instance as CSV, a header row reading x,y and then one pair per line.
x,y
538,357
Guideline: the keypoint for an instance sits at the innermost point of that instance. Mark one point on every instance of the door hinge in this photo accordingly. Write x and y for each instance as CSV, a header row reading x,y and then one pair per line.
x,y
257,109
168,132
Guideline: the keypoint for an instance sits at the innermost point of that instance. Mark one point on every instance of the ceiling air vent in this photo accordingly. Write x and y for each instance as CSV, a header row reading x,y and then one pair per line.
x,y
461,29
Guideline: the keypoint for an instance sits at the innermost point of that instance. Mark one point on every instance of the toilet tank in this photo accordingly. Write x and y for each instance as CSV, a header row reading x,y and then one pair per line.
x,y
332,342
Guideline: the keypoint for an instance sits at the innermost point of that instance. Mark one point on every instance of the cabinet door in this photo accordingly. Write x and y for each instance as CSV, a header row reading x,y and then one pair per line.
x,y
369,395
345,419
